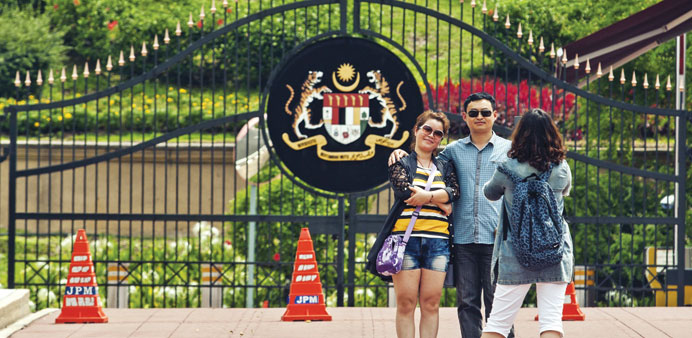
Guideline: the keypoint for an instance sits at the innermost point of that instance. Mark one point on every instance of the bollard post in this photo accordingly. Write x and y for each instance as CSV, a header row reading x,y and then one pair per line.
x,y
211,296
119,294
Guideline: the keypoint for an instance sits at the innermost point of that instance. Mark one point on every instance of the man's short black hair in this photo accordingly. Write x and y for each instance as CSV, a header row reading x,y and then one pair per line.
x,y
477,97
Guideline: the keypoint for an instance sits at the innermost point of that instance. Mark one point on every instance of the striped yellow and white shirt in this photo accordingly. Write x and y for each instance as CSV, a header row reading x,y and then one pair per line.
x,y
431,221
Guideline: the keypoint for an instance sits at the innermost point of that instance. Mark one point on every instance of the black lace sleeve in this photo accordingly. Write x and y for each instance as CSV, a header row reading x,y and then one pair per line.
x,y
451,183
400,180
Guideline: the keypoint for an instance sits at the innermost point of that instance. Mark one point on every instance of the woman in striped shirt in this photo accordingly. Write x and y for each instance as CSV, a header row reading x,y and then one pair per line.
x,y
427,252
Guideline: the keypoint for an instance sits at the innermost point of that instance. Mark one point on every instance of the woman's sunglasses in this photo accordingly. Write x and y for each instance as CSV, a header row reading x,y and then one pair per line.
x,y
474,113
428,130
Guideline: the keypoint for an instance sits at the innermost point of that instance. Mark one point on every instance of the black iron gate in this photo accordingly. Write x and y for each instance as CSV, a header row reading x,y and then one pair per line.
x,y
151,166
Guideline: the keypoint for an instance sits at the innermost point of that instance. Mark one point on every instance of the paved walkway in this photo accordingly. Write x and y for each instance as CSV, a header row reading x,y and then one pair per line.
x,y
347,322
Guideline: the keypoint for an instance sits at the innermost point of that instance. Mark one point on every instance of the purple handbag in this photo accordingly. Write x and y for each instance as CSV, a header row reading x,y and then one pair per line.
x,y
391,255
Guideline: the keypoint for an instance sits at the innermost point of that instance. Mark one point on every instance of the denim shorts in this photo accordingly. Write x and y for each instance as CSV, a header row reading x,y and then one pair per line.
x,y
426,253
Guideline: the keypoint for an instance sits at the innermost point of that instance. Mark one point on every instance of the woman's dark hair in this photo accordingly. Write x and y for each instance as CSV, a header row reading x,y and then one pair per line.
x,y
422,118
537,140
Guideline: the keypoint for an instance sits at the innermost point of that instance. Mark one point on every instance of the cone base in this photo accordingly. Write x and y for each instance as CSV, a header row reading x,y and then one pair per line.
x,y
98,317
572,312
301,313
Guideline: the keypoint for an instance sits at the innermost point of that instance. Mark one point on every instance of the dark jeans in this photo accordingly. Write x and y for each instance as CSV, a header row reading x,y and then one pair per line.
x,y
472,276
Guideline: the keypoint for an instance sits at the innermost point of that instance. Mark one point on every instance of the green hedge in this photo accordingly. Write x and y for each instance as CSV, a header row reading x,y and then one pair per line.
x,y
27,42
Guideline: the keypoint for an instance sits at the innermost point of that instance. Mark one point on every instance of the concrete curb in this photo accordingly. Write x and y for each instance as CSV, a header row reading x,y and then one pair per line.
x,y
14,304
24,322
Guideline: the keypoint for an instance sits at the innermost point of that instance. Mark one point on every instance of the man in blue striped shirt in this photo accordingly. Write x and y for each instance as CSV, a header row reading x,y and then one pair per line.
x,y
474,217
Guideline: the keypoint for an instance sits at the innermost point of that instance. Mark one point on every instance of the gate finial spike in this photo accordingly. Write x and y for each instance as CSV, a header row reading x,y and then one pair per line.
x,y
63,78
144,49
622,76
51,79
224,3
121,60
507,24
97,70
519,33
189,21
473,3
530,41
75,76
552,50
658,83
484,9
564,56
588,67
86,70
156,42
201,13
541,46
668,86
599,72
634,79
109,63
646,81
178,31
27,81
213,7
166,37
576,61
611,77
132,53
17,81
39,78
496,16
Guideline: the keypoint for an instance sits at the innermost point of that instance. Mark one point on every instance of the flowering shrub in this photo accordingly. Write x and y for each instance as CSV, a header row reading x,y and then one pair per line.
x,y
511,100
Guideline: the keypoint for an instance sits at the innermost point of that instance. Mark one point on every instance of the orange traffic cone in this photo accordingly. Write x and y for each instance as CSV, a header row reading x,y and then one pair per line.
x,y
81,304
306,300
571,310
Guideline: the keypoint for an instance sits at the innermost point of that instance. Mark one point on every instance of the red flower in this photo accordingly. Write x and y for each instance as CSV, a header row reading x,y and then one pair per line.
x,y
228,10
75,2
55,7
112,24
199,24
277,257
219,22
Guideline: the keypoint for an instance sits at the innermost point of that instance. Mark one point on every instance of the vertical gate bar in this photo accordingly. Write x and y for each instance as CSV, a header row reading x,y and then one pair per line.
x,y
352,226
681,199
340,254
12,192
356,15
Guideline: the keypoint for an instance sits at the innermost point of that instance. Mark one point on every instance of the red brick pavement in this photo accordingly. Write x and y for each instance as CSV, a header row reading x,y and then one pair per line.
x,y
347,322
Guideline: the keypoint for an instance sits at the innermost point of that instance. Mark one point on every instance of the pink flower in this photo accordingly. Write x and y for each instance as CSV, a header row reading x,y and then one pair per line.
x,y
277,257
199,24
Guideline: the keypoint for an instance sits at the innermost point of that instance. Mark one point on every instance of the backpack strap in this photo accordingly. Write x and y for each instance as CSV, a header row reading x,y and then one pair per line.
x,y
512,176
544,176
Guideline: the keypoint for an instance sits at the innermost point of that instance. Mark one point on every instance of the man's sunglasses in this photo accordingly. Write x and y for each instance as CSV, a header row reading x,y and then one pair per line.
x,y
429,130
474,113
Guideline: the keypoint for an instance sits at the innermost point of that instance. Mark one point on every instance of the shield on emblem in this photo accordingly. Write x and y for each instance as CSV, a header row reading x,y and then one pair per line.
x,y
345,115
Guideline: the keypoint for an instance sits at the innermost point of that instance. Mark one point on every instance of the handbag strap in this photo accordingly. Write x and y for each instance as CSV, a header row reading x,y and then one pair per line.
x,y
416,212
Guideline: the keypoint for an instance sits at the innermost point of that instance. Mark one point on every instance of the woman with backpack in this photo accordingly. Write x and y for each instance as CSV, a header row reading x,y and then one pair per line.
x,y
426,254
532,243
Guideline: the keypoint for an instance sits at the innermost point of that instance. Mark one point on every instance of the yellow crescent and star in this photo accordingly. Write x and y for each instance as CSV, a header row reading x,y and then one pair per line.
x,y
345,74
